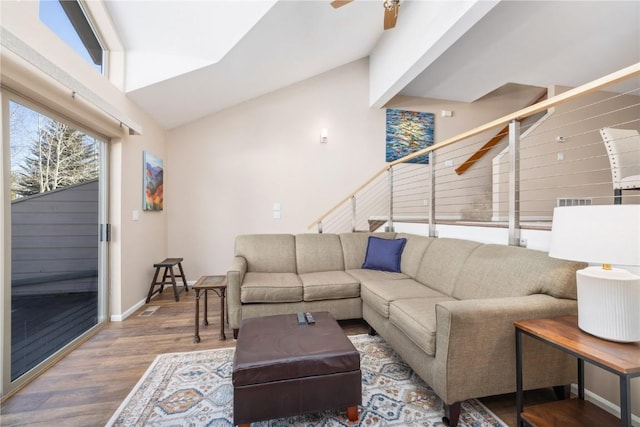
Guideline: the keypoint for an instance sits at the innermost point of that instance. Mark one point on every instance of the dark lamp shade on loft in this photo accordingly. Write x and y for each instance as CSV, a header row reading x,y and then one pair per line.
x,y
608,298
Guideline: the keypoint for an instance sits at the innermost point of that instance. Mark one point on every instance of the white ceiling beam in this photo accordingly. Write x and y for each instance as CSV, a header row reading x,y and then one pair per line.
x,y
424,31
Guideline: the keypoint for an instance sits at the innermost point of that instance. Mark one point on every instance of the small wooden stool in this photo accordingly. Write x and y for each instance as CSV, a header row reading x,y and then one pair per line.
x,y
168,265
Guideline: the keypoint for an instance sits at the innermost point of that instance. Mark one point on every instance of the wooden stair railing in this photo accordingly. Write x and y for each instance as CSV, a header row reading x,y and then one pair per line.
x,y
491,143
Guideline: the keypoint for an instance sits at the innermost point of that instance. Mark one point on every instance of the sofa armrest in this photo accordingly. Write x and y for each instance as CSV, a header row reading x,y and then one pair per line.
x,y
476,339
235,277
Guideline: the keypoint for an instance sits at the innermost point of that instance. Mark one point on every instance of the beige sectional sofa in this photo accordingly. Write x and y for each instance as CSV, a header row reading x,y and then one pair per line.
x,y
448,311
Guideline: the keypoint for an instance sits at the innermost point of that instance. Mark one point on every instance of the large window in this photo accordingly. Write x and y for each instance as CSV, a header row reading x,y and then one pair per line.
x,y
67,19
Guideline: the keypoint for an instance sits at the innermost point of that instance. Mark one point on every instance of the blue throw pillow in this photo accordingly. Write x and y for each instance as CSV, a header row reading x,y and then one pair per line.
x,y
384,254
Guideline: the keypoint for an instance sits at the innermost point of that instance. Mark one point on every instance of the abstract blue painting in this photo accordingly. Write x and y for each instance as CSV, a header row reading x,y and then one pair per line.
x,y
408,132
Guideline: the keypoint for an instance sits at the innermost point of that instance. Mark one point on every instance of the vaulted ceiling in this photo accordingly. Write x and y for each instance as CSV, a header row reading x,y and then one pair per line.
x,y
188,59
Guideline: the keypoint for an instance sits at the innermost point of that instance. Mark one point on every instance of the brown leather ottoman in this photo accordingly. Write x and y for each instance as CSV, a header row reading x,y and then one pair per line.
x,y
281,368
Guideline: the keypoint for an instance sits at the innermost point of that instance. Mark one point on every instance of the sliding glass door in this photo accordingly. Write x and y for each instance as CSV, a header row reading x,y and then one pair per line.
x,y
58,236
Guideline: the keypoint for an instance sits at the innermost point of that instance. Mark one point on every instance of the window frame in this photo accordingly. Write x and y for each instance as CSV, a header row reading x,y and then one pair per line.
x,y
94,52
8,95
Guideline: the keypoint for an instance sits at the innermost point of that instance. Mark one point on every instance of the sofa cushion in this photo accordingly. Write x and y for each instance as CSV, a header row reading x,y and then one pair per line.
x,y
374,275
379,294
354,247
326,285
413,252
442,263
268,253
498,271
270,288
384,254
416,317
318,252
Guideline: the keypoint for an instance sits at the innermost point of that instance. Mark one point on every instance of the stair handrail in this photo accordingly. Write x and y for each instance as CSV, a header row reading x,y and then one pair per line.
x,y
571,94
499,136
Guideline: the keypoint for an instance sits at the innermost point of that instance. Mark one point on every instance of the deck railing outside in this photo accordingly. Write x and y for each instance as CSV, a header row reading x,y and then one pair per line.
x,y
551,155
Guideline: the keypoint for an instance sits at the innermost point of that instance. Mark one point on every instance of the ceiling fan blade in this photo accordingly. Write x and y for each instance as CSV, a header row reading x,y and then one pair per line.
x,y
339,3
391,16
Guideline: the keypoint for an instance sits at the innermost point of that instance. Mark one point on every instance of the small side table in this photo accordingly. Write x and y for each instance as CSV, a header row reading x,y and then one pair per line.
x,y
217,284
563,333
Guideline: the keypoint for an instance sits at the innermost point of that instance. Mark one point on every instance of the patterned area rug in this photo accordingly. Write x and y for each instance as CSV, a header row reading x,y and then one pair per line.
x,y
194,389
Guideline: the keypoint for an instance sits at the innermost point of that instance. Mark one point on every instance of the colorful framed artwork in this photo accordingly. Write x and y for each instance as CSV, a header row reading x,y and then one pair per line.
x,y
153,198
408,132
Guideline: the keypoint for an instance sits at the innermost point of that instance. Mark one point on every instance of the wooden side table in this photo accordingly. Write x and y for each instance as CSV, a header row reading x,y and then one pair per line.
x,y
218,285
563,333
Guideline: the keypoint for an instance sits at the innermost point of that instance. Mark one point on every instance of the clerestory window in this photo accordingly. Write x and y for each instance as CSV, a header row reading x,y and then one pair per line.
x,y
68,20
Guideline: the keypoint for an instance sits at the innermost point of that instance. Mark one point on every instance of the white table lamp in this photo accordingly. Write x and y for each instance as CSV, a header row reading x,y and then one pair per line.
x,y
608,298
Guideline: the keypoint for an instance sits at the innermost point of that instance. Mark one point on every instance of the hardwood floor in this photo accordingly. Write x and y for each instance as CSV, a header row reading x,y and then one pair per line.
x,y
88,385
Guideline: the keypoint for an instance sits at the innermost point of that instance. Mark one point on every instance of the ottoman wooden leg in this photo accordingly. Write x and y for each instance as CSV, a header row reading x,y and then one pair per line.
x,y
352,413
244,425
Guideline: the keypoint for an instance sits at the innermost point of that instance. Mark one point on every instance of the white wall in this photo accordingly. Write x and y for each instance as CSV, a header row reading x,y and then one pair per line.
x,y
226,171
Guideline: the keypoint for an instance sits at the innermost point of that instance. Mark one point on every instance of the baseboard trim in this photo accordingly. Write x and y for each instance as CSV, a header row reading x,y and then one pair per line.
x,y
604,404
136,306
129,312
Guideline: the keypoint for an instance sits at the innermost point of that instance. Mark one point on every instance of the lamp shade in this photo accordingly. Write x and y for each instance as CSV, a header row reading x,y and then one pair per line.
x,y
602,234
608,298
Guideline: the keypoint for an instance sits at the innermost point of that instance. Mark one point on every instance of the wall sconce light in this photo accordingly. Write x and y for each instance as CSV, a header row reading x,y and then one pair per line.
x,y
324,136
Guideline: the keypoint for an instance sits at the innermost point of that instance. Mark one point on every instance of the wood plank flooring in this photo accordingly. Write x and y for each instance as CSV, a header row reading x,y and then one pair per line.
x,y
88,385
